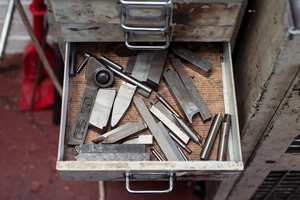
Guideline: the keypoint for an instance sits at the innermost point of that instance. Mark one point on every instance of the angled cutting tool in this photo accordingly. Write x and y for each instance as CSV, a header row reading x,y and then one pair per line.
x,y
122,102
96,75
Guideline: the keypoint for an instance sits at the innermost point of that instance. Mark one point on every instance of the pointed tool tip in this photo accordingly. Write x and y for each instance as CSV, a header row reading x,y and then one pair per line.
x,y
200,144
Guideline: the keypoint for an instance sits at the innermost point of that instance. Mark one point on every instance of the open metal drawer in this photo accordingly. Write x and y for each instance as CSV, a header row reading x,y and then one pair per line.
x,y
190,170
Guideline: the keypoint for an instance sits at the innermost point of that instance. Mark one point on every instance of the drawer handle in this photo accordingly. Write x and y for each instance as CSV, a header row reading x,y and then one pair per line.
x,y
128,28
150,47
161,3
149,191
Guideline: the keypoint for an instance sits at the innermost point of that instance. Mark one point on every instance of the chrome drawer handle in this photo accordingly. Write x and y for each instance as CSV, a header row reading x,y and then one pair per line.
x,y
129,28
151,47
149,191
161,3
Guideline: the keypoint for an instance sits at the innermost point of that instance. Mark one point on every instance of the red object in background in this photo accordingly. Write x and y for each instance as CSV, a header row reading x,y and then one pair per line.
x,y
44,96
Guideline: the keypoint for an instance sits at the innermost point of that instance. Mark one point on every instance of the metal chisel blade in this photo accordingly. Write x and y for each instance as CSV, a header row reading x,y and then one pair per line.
x,y
113,157
109,148
156,68
130,64
204,113
134,128
124,127
122,102
102,108
202,66
183,97
142,65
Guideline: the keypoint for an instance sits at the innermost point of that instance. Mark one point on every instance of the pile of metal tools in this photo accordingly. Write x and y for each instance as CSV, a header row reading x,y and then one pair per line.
x,y
101,104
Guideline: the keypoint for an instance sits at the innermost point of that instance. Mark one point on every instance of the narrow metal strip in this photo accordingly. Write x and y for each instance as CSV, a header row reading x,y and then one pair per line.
x,y
170,141
164,115
109,148
202,66
113,157
155,130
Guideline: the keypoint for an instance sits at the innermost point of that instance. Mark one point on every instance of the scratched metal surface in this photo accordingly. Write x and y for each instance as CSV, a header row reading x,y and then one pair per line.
x,y
210,89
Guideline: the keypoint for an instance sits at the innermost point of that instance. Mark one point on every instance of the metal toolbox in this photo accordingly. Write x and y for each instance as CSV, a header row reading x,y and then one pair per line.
x,y
89,22
191,170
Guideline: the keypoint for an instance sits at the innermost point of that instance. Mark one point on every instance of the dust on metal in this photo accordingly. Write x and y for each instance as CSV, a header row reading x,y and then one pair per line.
x,y
164,115
179,91
80,126
122,102
204,112
201,65
102,109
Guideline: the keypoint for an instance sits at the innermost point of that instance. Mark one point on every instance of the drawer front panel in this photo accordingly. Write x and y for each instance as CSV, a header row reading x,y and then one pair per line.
x,y
90,20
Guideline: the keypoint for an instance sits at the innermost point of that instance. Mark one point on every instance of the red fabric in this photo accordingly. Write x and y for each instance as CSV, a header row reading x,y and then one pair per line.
x,y
44,96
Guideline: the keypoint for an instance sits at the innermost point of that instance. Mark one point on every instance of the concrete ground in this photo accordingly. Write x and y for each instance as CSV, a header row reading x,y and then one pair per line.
x,y
29,149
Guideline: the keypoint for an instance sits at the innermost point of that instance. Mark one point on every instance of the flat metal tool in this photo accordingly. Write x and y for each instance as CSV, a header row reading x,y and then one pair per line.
x,y
130,64
170,141
109,148
202,66
146,91
93,82
156,68
179,91
113,157
126,129
154,129
142,65
204,113
164,115
157,154
180,143
223,142
134,128
188,129
102,109
122,102
196,138
182,154
211,136
142,139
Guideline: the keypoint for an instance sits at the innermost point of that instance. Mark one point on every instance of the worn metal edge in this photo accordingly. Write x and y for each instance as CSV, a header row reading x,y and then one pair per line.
x,y
115,170
64,107
230,104
149,166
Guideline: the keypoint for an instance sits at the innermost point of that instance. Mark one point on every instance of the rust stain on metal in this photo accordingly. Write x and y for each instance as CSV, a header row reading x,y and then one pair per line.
x,y
205,14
